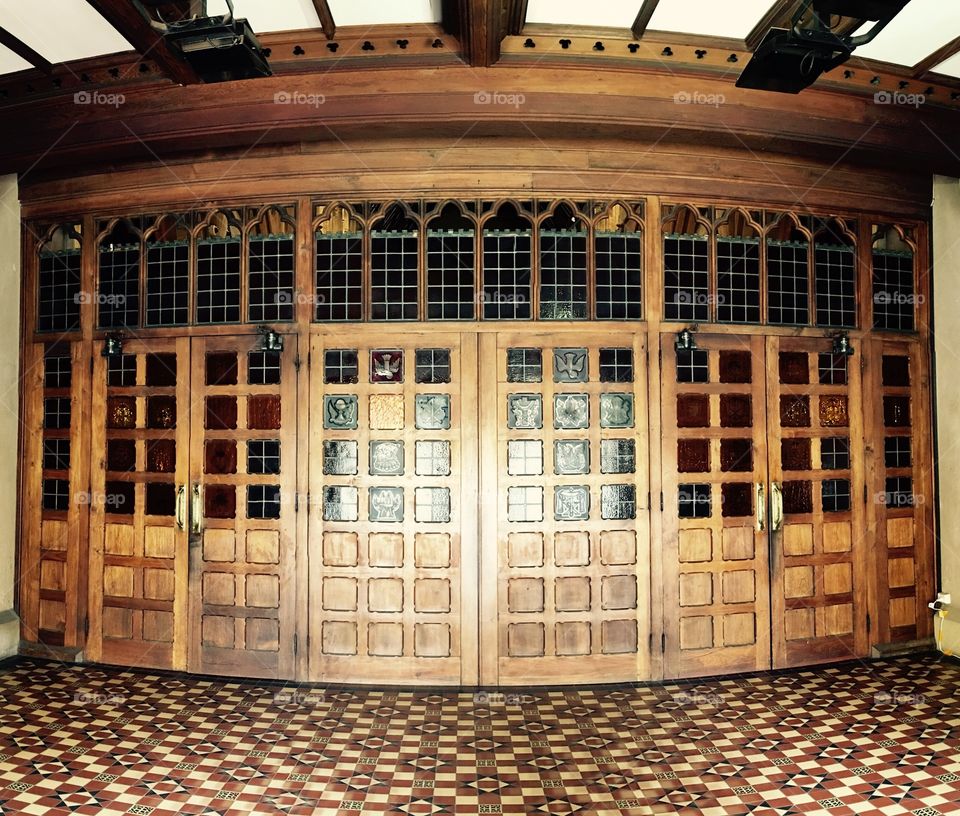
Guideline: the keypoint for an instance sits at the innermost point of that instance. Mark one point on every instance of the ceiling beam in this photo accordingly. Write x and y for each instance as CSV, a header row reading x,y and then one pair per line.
x,y
930,62
479,25
129,22
643,18
24,51
326,18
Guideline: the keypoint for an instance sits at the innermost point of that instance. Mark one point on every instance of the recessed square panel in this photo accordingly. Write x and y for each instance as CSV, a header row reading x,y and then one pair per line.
x,y
693,455
432,412
736,499
221,414
161,413
570,365
433,365
571,457
736,455
616,410
524,365
896,412
618,456
524,411
386,505
386,457
736,411
386,366
432,458
571,411
340,503
431,504
340,411
895,371
264,412
795,411
161,370
219,456
525,457
221,368
736,367
795,454
121,413
571,503
794,368
220,501
833,411
693,411
797,497
121,454
340,457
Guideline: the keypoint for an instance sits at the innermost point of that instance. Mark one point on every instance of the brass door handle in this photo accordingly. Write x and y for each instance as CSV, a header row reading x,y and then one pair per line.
x,y
181,506
196,510
776,512
761,508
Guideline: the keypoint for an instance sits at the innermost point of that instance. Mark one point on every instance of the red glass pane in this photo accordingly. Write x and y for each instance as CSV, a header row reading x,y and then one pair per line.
x,y
221,413
263,412
121,455
161,499
122,412
794,368
693,411
162,412
736,367
797,497
161,456
736,455
220,501
896,371
120,498
162,370
735,411
737,500
794,411
795,454
222,368
693,455
220,456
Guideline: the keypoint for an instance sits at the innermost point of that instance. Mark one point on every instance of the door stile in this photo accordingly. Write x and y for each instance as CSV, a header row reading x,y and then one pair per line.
x,y
470,511
490,500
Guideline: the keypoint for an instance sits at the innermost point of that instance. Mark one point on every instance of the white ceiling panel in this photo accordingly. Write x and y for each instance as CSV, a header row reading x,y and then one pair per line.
x,y
379,12
61,30
950,67
916,32
10,62
613,13
709,17
271,15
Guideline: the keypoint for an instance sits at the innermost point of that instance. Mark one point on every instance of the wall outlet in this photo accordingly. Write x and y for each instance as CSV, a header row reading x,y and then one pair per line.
x,y
940,605
944,598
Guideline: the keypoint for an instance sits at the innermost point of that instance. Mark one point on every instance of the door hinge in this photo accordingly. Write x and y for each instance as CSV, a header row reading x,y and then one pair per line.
x,y
663,643
296,363
86,627
296,644
296,502
864,494
91,365
660,358
650,642
869,623
661,502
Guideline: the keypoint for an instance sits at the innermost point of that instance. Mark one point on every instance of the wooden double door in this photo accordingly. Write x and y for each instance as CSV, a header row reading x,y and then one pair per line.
x,y
192,506
763,505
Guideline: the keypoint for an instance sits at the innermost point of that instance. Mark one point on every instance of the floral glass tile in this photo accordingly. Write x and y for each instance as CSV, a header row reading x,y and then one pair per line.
x,y
263,456
525,457
693,411
161,455
616,410
341,366
524,504
736,411
264,367
736,367
736,500
896,412
694,500
340,503
794,411
222,368
571,503
571,411
220,456
160,499
795,454
693,366
120,498
386,412
571,457
121,412
221,414
432,457
618,456
833,411
524,411
433,365
570,365
122,371
386,366
832,369
386,504
794,368
121,455
162,412
340,411
220,501
895,371
263,412
736,455
431,504
386,457
340,457
835,453
618,501
432,412
524,365
693,455
161,370
616,365
797,497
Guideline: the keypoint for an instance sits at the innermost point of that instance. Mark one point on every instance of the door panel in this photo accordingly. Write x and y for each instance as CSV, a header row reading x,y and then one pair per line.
x,y
393,508
716,562
242,497
565,523
815,428
138,559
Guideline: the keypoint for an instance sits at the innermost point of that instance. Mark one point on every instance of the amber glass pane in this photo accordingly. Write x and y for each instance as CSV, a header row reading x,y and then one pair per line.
x,y
122,412
737,500
161,456
222,368
833,412
161,412
736,455
795,454
119,497
162,370
221,413
896,371
121,455
161,499
794,369
220,456
693,411
693,455
797,497
220,501
736,367
263,412
794,411
735,411
896,412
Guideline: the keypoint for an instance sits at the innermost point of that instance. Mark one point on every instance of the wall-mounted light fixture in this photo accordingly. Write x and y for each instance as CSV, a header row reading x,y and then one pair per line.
x,y
685,341
112,346
270,340
841,344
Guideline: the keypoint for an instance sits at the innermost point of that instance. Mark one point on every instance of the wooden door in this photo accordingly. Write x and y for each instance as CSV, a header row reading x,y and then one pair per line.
x,y
243,499
393,507
138,564
715,558
819,572
565,513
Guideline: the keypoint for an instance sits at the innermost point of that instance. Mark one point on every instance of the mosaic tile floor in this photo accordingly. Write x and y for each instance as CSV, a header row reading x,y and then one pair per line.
x,y
882,738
